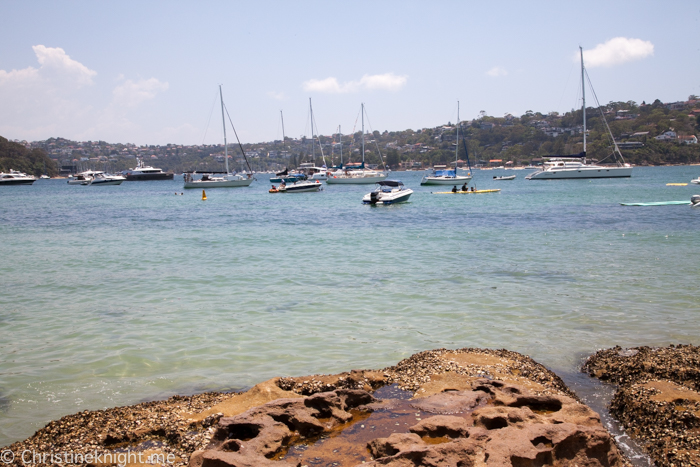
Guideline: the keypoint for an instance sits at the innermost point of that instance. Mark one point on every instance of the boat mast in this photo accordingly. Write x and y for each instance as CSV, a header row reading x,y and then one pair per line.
x,y
583,95
340,137
363,135
457,142
313,148
223,120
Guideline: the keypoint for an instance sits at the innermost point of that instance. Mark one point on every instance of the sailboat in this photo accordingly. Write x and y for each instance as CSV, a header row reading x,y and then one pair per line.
x,y
230,180
574,166
310,169
359,176
448,177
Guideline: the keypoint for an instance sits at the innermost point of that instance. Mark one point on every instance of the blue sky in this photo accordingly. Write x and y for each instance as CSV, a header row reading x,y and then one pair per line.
x,y
147,72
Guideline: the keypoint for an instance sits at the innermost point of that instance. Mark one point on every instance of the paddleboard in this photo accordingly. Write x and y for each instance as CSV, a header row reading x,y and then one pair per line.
x,y
676,184
659,203
463,192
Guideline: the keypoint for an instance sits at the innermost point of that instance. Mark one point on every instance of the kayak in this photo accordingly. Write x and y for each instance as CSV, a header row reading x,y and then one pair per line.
x,y
476,192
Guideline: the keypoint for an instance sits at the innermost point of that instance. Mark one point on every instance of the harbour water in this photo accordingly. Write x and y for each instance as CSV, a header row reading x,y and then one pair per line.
x,y
118,294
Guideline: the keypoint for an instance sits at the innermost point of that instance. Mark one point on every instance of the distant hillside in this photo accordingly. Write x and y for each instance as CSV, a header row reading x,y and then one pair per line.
x,y
15,156
518,140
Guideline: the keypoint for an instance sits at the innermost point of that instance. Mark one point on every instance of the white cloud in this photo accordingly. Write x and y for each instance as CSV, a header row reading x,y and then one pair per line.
x,y
55,60
132,93
616,51
497,71
387,82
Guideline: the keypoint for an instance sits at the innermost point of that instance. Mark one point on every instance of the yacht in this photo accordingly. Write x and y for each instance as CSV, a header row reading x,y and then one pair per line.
x,y
388,192
83,178
146,172
575,166
14,177
102,178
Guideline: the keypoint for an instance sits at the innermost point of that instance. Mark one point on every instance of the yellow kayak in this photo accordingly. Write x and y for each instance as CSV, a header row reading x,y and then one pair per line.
x,y
476,192
676,184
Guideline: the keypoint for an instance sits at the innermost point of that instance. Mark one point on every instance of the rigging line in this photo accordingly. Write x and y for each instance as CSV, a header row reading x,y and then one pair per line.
x,y
211,112
616,149
375,140
239,141
318,136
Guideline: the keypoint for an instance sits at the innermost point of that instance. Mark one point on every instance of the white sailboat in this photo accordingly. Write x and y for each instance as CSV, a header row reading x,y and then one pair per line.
x,y
359,176
230,180
574,166
448,177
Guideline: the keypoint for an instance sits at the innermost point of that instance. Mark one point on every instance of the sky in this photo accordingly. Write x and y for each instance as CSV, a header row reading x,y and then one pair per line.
x,y
148,72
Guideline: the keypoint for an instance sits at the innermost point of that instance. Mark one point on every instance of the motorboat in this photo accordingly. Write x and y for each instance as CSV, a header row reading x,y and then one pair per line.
x,y
448,177
505,177
696,181
575,166
695,201
102,178
45,177
302,186
146,172
83,178
388,192
359,175
13,177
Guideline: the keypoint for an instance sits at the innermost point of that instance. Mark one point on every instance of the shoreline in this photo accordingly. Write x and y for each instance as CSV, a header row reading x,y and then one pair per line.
x,y
184,429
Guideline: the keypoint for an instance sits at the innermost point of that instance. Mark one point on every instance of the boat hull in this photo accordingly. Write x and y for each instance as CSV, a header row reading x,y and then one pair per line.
x,y
105,182
144,177
598,172
342,180
302,187
392,198
459,179
204,184
17,182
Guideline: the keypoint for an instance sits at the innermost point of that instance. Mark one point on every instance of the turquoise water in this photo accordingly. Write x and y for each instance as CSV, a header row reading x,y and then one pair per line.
x,y
117,294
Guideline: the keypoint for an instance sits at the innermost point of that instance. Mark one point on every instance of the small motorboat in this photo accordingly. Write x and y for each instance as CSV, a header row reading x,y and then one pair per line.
x,y
696,181
695,201
302,186
14,177
505,177
388,192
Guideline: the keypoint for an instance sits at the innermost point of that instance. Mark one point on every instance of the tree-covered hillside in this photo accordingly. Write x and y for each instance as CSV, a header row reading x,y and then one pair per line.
x,y
15,156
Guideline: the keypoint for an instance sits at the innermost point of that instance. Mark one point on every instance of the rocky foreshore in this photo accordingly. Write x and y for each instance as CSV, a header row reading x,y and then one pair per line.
x,y
464,407
657,399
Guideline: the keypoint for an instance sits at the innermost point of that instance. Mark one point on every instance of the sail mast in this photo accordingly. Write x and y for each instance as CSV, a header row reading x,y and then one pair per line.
x,y
457,142
313,148
340,137
223,120
583,95
363,135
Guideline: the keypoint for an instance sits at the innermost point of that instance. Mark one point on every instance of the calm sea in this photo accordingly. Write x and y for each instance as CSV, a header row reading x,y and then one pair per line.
x,y
118,294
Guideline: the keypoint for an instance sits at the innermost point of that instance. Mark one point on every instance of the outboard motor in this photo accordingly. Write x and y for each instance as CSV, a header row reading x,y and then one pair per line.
x,y
695,201
373,197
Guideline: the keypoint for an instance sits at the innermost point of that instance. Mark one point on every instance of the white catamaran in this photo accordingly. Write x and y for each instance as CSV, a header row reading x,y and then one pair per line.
x,y
230,180
574,166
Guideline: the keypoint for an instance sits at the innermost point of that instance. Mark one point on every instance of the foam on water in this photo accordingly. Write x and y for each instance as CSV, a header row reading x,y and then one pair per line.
x,y
118,294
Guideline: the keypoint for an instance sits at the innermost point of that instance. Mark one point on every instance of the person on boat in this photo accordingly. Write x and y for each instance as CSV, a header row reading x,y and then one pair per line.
x,y
464,187
274,187
454,189
473,189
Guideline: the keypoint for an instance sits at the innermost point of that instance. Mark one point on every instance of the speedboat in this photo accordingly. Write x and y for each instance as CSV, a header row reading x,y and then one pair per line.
x,y
505,177
102,178
146,172
388,192
302,186
695,201
696,181
14,177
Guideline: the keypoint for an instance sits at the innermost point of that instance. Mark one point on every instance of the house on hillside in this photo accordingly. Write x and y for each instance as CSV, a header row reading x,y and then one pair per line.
x,y
687,139
667,136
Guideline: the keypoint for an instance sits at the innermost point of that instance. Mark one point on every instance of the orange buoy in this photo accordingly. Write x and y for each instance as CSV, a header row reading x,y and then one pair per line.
x,y
204,196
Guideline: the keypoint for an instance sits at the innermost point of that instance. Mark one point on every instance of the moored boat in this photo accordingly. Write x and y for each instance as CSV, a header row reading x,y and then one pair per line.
x,y
102,178
146,172
505,177
448,177
302,186
13,177
388,192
